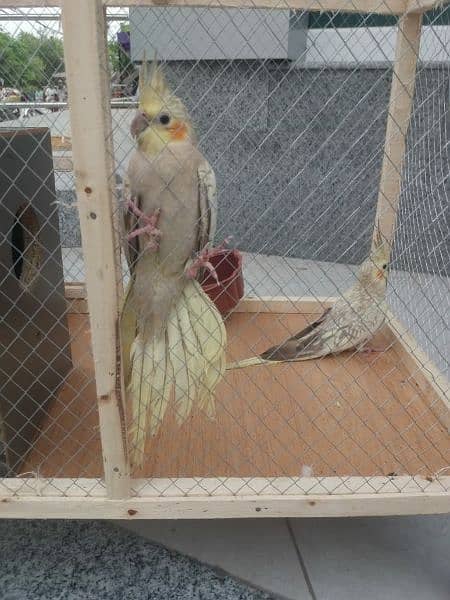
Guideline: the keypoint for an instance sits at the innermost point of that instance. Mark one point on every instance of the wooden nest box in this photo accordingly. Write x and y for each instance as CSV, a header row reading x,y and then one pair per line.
x,y
35,349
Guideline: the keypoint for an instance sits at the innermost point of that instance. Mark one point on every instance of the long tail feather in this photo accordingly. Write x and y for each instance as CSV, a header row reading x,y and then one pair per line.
x,y
127,332
149,389
258,361
178,359
186,359
161,384
207,399
250,362
139,412
193,363
210,331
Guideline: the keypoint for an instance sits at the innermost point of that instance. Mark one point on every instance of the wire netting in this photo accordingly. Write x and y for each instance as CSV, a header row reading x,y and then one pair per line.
x,y
289,108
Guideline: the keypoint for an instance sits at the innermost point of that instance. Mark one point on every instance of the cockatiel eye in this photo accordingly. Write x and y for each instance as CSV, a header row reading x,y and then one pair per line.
x,y
164,119
384,266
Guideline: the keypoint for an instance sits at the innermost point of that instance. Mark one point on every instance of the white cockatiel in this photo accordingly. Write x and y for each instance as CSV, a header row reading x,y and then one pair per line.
x,y
173,337
350,323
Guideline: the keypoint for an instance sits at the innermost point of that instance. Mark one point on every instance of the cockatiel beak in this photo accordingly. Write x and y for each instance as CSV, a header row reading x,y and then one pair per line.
x,y
139,124
381,255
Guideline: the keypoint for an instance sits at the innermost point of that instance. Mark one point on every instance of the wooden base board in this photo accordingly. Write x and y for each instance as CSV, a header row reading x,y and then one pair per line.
x,y
226,507
346,416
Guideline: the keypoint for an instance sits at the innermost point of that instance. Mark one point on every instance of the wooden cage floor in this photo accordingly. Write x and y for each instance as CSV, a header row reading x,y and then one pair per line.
x,y
350,415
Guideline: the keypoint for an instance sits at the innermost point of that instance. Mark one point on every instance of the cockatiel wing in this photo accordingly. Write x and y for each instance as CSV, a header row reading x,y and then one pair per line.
x,y
306,342
128,330
129,223
333,332
128,323
338,329
207,324
207,195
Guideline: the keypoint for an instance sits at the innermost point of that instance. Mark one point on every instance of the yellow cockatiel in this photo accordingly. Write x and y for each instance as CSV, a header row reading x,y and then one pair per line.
x,y
173,337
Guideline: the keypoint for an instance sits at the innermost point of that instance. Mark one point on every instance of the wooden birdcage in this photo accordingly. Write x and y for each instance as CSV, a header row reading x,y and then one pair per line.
x,y
181,479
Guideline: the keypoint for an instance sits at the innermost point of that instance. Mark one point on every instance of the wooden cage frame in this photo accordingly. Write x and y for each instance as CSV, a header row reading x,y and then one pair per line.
x,y
85,37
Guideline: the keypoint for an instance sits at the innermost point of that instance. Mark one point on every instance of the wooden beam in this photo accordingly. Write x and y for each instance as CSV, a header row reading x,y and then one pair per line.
x,y
226,507
75,290
425,373
265,304
383,7
86,60
272,304
228,497
29,3
386,7
399,113
286,305
206,487
421,6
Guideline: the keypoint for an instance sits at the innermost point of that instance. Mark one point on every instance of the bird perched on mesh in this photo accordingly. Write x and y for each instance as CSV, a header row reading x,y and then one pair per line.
x,y
350,323
173,338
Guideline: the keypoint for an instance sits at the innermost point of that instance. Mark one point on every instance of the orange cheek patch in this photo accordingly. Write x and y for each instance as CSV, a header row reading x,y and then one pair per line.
x,y
178,132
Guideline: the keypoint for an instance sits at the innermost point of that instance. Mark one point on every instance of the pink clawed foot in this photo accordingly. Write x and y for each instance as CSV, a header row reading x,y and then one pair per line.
x,y
203,261
148,228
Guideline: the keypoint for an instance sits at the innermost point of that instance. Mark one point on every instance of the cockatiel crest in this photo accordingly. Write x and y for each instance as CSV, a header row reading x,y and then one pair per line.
x,y
161,117
374,269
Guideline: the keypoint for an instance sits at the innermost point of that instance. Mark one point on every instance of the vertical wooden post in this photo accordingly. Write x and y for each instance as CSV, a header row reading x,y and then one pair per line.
x,y
400,105
87,70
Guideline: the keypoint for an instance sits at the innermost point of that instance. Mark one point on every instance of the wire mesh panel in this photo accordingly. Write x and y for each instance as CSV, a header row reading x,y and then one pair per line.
x,y
49,427
277,187
297,147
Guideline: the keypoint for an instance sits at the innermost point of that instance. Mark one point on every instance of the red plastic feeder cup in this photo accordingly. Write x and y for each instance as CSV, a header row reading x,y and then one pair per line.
x,y
229,290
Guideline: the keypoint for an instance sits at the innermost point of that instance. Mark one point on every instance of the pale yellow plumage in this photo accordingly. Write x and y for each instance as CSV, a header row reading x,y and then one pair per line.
x,y
210,332
349,323
175,335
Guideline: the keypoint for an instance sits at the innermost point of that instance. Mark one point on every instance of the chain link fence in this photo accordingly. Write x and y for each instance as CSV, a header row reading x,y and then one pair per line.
x,y
289,108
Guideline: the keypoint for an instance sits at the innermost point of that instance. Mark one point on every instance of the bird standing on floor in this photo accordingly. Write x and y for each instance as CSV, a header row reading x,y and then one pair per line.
x,y
350,323
173,338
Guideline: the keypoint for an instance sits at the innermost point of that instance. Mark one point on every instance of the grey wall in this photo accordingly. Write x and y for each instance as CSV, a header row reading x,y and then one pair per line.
x,y
185,33
297,154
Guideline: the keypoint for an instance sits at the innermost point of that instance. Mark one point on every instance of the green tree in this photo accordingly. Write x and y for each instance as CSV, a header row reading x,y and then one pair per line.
x,y
114,55
51,51
29,61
